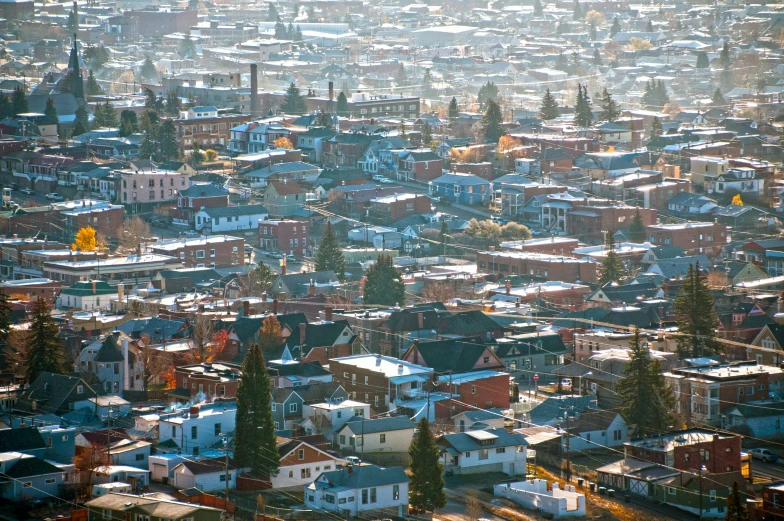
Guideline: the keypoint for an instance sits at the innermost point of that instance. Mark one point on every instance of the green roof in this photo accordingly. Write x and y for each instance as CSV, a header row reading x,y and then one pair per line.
x,y
84,289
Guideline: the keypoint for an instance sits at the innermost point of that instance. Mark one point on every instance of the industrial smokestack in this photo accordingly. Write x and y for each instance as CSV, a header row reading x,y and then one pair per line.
x,y
254,91
331,91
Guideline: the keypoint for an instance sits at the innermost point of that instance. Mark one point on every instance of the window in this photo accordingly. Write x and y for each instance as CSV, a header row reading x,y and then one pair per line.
x,y
329,498
365,496
49,481
382,438
194,432
223,477
671,491
292,407
79,389
107,514
212,253
301,454
342,439
483,454
395,492
713,496
304,473
500,450
473,389
274,406
140,457
199,254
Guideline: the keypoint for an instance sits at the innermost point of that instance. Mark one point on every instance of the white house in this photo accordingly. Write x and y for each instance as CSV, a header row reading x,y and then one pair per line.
x,y
206,474
337,413
109,361
300,463
136,477
359,488
492,450
197,427
133,453
162,465
566,502
230,218
392,434
494,418
87,295
596,428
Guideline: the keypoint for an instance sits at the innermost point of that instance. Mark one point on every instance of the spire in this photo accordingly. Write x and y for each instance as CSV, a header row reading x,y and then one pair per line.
x,y
76,80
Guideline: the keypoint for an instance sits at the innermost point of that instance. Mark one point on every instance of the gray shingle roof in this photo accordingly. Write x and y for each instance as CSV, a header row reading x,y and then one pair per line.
x,y
365,476
395,423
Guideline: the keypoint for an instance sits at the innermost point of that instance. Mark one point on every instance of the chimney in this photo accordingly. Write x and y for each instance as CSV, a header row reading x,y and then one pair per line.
x,y
508,287
283,267
328,313
264,297
94,288
126,364
246,308
302,330
120,291
350,469
275,306
312,289
421,320
194,411
331,91
139,250
254,91
399,368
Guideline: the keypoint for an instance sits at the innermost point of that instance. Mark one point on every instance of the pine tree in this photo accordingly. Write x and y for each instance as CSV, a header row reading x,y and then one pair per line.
x,y
724,56
426,489
330,255
661,93
293,101
5,319
73,20
453,111
549,108
491,123
401,78
610,110
656,128
128,123
342,104
696,316
383,283
167,138
187,47
172,105
649,27
612,268
324,120
427,134
197,156
597,57
616,27
44,349
637,228
487,92
280,30
105,116
442,235
583,112
92,88
702,60
538,9
6,107
254,433
647,400
19,101
577,14
272,13
736,505
82,124
50,112
290,31
148,70
718,98
298,34
427,84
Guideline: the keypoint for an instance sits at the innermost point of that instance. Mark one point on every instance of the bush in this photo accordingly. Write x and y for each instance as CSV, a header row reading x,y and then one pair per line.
x,y
210,155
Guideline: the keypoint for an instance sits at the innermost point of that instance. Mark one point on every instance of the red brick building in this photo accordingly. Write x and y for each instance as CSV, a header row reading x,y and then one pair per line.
x,y
193,199
550,245
210,129
395,207
484,389
33,288
421,165
291,237
483,170
214,251
538,265
656,195
105,218
214,379
689,450
156,23
345,149
589,221
694,237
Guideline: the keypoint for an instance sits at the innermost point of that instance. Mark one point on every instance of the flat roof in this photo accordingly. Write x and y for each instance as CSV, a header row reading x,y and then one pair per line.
x,y
389,366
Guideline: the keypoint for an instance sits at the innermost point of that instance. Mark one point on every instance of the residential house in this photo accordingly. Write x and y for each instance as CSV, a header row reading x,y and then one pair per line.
x,y
283,199
287,236
54,393
419,165
761,419
230,219
359,488
254,137
30,477
197,428
300,463
113,363
195,198
299,284
392,434
311,142
128,506
206,474
289,403
597,429
771,339
461,188
688,203
87,296
490,450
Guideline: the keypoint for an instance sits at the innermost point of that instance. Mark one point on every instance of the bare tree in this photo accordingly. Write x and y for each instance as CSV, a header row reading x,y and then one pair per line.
x,y
88,459
473,506
131,234
718,279
156,362
201,335
256,281
438,292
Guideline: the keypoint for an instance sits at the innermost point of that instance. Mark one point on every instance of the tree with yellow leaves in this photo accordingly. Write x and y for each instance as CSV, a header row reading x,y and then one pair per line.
x,y
737,201
283,142
85,239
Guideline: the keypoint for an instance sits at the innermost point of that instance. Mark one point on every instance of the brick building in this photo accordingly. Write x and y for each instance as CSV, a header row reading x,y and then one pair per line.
x,y
207,126
590,220
484,389
214,251
291,237
395,207
539,265
694,237
550,245
420,165
656,195
104,217
193,199
483,170
156,23
689,450
345,149
212,379
45,288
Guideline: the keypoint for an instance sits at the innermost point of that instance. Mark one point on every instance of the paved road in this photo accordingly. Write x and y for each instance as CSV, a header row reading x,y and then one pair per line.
x,y
774,471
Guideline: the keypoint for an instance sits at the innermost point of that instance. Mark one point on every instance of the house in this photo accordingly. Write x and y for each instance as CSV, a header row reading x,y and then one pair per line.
x,y
328,418
453,356
300,462
128,506
419,165
597,429
491,450
87,296
30,477
292,172
734,180
461,188
689,203
134,453
113,363
298,284
230,219
198,428
196,197
286,236
771,339
289,404
392,434
536,495
526,352
254,137
311,142
283,199
54,393
759,419
485,388
207,474
359,488
391,208
475,419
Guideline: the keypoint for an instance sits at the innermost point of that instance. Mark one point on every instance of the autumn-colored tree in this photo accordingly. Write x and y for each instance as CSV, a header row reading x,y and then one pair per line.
x,y
170,380
90,458
269,334
638,44
283,142
737,201
594,18
210,155
672,109
155,361
219,342
85,239
507,143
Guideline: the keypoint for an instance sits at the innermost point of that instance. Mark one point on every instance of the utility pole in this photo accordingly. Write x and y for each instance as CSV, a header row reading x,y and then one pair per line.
x,y
226,465
428,406
450,395
568,461
362,445
700,471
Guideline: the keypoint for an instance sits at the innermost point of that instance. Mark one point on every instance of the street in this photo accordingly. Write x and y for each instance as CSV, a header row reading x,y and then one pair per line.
x,y
772,471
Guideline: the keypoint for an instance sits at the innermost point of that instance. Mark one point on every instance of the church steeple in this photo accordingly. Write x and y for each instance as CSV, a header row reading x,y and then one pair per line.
x,y
76,81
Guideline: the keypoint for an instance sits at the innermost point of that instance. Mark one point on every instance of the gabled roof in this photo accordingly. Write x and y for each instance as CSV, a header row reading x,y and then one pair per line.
x,y
30,466
467,323
408,320
110,350
364,476
551,409
456,355
463,442
207,466
594,420
777,331
204,190
360,425
21,440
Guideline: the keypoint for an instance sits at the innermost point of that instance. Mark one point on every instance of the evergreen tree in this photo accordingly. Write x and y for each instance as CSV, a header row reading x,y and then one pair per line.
x,y
401,78
401,130
736,505
718,98
105,116
577,13
453,111
427,134
197,156
167,138
616,27
92,88
280,30
426,489
187,47
611,269
172,105
491,123
73,20
702,60
50,112
724,56
148,70
487,92
610,110
646,398
293,101
330,255
19,101
82,120
290,31
656,128
661,92
342,104
324,120
6,107
78,129
593,37
272,13
128,123
649,27
383,284
149,146
5,318
597,57
427,84
562,64
44,349
583,112
549,108
637,228
696,316
298,34
538,9
254,433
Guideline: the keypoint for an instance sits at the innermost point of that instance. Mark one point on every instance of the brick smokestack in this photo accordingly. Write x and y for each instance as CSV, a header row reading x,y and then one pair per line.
x,y
331,91
328,313
254,91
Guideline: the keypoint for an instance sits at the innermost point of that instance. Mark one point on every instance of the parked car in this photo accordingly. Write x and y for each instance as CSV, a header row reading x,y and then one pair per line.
x,y
386,181
293,259
378,177
28,191
353,460
275,255
248,248
191,233
55,197
764,454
